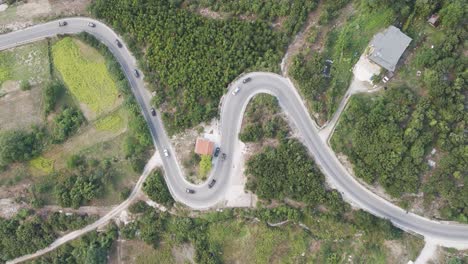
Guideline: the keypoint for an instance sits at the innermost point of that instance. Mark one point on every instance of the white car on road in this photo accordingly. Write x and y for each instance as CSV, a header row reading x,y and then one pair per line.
x,y
166,153
236,91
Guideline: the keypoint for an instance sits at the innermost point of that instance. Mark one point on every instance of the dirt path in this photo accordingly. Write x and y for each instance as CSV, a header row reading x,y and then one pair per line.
x,y
301,39
90,210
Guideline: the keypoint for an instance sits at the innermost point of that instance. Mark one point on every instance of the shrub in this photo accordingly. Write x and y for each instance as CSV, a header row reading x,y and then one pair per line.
x,y
205,165
156,189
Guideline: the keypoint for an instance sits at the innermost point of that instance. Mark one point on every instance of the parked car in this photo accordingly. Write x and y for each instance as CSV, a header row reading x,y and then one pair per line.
x,y
62,23
223,156
137,74
91,24
117,42
236,91
212,183
216,152
246,80
166,153
153,112
191,191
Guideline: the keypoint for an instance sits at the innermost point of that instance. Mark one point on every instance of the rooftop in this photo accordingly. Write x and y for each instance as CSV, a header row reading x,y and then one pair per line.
x,y
204,146
388,46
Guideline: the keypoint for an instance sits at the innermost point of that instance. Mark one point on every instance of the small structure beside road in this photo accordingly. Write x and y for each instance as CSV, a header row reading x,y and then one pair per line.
x,y
204,147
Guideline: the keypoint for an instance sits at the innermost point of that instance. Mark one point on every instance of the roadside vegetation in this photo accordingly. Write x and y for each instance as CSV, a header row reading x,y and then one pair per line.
x,y
263,120
156,189
190,76
410,139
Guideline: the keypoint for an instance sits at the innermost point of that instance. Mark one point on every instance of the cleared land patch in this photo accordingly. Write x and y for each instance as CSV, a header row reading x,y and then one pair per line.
x,y
28,63
86,76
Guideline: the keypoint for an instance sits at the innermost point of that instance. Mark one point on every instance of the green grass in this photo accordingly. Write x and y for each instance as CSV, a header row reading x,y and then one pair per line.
x,y
345,45
43,164
257,243
88,79
114,122
25,63
162,254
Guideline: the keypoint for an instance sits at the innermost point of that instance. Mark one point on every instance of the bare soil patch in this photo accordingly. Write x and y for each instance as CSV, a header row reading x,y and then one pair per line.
x,y
34,8
206,12
20,109
30,12
8,208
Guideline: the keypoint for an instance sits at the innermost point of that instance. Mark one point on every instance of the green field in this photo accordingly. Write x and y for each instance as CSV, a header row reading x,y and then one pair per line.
x,y
86,76
43,164
114,122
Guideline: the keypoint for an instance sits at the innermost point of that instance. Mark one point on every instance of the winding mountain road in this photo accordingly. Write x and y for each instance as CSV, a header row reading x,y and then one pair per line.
x,y
232,110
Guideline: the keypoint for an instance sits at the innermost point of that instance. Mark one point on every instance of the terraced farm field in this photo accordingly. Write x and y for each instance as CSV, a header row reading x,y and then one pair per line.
x,y
84,72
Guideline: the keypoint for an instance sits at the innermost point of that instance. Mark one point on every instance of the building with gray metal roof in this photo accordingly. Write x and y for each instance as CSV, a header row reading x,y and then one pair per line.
x,y
387,47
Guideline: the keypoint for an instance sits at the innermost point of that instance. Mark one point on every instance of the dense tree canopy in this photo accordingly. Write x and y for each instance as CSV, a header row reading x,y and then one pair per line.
x,y
286,172
190,58
388,144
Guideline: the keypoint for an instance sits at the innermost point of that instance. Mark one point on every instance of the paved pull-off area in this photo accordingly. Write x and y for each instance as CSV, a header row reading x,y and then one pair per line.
x,y
232,110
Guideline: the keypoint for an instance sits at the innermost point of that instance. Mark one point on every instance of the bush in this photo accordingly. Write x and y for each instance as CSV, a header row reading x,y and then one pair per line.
x,y
51,94
139,207
20,145
83,185
66,123
25,85
205,165
156,189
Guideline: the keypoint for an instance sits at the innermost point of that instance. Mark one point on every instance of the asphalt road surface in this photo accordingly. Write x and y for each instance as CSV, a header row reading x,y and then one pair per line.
x,y
232,109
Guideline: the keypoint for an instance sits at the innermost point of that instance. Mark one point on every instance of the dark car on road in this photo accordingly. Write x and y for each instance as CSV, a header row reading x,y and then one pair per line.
x,y
191,191
137,74
153,112
216,152
212,183
62,23
223,156
117,42
246,80
91,24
